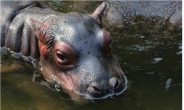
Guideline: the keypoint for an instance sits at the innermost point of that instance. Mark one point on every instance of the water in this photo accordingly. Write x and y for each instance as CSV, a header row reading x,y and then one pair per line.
x,y
151,59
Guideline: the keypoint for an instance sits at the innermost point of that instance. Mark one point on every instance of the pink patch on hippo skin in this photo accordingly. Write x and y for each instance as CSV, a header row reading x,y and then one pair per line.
x,y
68,85
67,81
44,50
106,40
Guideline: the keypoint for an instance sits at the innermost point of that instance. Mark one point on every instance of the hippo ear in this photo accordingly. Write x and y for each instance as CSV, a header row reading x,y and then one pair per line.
x,y
41,31
99,12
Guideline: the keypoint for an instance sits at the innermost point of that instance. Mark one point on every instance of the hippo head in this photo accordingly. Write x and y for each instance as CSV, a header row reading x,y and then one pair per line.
x,y
76,57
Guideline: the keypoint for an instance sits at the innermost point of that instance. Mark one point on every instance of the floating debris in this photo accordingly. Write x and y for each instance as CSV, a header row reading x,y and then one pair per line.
x,y
156,60
168,83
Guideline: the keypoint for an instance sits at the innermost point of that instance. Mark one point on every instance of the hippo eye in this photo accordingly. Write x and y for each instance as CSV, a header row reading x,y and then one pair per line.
x,y
61,56
64,56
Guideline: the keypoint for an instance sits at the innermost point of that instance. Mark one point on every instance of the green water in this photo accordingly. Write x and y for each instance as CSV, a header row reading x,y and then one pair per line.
x,y
151,59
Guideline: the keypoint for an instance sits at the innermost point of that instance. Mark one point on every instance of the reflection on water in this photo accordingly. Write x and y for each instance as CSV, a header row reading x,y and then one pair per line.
x,y
151,60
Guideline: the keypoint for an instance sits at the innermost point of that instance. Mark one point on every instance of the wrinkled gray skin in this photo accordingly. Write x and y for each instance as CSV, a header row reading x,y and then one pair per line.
x,y
70,51
123,11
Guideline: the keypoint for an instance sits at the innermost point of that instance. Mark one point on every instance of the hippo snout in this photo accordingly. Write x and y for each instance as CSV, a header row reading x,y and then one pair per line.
x,y
114,86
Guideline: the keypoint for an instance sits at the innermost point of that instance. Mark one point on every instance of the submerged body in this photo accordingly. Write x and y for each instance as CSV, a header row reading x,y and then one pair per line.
x,y
71,51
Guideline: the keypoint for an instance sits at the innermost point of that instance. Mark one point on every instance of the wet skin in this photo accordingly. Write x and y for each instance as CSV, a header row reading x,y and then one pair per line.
x,y
71,51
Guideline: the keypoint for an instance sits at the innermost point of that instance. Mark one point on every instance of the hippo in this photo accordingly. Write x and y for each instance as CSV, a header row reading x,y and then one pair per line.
x,y
71,52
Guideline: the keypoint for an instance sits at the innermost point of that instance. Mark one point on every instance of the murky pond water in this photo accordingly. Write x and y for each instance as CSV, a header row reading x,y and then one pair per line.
x,y
151,59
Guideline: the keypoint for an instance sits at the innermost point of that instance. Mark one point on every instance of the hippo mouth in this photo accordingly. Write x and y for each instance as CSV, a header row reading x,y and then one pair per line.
x,y
79,96
111,93
68,86
66,89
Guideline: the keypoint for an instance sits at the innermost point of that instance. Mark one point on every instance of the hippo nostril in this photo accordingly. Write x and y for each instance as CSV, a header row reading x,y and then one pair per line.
x,y
114,82
95,90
